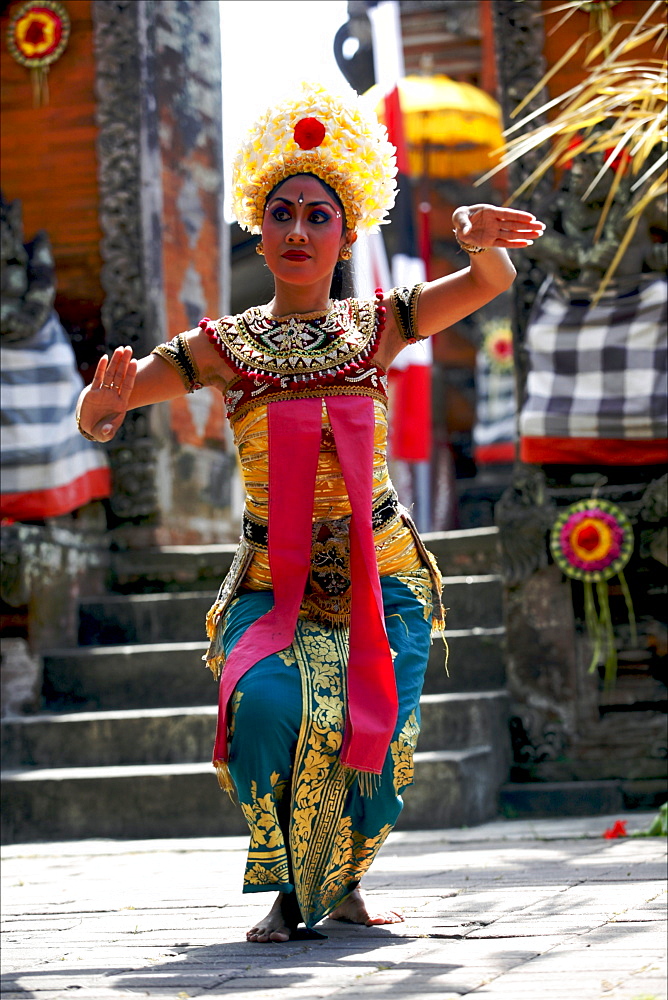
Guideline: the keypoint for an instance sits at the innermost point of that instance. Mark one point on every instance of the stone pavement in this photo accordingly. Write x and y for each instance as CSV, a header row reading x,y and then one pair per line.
x,y
514,910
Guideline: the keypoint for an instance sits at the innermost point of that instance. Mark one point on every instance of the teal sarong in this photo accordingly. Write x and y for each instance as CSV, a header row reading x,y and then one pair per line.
x,y
315,825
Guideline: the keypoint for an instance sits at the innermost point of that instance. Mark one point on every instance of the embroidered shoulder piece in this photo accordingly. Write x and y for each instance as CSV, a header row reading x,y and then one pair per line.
x,y
299,349
404,302
178,354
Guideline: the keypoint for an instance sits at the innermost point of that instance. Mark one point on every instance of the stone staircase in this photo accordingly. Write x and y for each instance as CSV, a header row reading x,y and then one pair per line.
x,y
122,747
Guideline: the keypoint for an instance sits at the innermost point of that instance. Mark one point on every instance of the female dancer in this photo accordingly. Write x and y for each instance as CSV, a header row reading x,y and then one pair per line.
x,y
322,627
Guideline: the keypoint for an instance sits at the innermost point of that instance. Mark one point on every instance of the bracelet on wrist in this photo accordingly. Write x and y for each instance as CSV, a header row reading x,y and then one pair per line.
x,y
89,437
469,247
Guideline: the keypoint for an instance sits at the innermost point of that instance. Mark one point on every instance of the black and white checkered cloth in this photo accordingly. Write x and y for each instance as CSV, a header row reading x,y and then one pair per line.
x,y
598,371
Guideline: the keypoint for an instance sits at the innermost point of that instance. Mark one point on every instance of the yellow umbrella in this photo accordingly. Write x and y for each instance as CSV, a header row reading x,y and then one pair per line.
x,y
451,128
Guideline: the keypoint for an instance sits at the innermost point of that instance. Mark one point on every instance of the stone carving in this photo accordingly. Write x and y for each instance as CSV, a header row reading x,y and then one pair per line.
x,y
655,501
21,674
568,249
519,36
27,277
524,514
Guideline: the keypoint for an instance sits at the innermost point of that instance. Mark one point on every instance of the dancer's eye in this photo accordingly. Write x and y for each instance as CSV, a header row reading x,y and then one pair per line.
x,y
280,214
319,216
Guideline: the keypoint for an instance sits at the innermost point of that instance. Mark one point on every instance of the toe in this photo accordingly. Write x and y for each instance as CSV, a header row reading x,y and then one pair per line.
x,y
389,917
257,934
279,936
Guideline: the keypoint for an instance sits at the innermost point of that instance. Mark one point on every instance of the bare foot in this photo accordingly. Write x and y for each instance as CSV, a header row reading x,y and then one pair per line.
x,y
353,910
278,923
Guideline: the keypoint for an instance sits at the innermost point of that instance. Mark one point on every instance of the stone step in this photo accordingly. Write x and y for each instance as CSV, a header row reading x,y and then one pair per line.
x,y
185,735
463,720
171,675
179,617
150,675
198,567
476,661
183,800
466,552
452,788
110,738
534,799
171,568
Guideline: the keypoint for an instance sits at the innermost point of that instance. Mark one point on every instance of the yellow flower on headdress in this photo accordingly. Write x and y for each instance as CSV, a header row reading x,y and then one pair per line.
x,y
320,133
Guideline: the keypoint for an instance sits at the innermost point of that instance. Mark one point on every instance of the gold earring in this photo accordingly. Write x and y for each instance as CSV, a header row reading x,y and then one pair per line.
x,y
259,248
346,253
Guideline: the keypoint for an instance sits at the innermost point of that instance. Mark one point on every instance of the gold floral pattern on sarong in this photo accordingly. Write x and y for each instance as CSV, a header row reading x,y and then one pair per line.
x,y
420,585
352,857
267,862
321,784
402,750
234,705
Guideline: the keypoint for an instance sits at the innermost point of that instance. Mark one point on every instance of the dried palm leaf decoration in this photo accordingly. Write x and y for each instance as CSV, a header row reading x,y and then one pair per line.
x,y
619,110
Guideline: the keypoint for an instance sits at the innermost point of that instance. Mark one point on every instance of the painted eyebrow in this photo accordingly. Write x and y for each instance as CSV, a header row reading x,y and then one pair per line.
x,y
309,204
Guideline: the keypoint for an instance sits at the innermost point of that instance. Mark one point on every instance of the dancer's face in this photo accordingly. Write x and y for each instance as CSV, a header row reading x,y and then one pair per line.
x,y
303,230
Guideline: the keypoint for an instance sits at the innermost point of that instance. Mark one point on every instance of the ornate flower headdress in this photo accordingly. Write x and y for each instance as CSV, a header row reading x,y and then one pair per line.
x,y
319,133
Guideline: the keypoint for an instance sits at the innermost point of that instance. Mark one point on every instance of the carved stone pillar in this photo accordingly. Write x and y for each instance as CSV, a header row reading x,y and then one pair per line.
x,y
541,665
119,54
157,72
519,36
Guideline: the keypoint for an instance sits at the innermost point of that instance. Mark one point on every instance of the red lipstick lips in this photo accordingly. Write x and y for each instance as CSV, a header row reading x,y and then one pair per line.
x,y
296,255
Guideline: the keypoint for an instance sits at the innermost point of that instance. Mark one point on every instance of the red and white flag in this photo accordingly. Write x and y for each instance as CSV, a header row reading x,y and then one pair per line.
x,y
410,375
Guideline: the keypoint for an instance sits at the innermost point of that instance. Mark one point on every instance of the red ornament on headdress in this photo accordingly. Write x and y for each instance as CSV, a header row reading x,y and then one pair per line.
x,y
309,133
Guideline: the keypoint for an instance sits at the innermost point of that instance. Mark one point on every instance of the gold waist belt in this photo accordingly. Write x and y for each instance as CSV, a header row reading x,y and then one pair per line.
x,y
385,509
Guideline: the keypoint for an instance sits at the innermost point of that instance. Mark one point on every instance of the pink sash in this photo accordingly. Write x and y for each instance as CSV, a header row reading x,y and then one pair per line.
x,y
294,445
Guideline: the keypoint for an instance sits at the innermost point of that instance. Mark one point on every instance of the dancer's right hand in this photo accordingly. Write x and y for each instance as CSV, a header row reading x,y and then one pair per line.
x,y
103,404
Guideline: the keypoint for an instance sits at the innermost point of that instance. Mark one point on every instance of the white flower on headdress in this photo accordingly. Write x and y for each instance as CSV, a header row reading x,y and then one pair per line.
x,y
354,156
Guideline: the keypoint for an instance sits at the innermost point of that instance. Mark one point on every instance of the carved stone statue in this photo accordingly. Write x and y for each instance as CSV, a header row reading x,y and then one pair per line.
x,y
27,281
568,249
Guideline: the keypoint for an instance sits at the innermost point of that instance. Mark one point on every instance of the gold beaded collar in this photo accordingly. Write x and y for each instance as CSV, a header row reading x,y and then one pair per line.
x,y
300,348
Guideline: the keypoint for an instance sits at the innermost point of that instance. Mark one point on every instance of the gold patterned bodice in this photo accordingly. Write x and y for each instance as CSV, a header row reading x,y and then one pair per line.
x,y
395,547
319,355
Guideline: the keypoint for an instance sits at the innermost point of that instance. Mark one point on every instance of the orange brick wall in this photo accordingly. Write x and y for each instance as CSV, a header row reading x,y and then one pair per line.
x,y
49,163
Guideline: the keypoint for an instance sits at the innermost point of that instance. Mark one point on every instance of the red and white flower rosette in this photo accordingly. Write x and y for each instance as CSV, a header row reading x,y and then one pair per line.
x,y
37,35
592,540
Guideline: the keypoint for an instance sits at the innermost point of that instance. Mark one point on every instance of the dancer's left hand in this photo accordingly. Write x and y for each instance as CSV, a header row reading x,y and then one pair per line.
x,y
491,226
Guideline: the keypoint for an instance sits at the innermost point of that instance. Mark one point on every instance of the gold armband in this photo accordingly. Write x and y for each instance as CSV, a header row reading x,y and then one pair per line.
x,y
404,302
178,354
